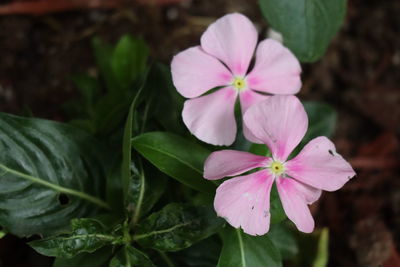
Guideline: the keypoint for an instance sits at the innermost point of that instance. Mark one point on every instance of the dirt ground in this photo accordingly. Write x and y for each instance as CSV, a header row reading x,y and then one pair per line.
x,y
359,76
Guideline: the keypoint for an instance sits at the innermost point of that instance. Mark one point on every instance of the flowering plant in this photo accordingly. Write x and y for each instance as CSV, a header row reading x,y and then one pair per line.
x,y
132,179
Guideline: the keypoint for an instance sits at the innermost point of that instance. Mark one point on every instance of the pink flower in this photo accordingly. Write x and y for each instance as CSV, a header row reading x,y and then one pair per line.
x,y
280,122
223,60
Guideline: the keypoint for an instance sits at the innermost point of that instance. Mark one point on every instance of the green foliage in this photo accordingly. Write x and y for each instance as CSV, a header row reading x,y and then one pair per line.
x,y
88,235
283,240
44,164
276,208
321,119
129,60
129,256
313,249
241,250
307,26
95,259
175,156
177,226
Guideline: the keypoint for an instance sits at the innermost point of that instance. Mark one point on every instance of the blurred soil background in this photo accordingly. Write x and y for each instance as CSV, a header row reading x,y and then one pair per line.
x,y
42,42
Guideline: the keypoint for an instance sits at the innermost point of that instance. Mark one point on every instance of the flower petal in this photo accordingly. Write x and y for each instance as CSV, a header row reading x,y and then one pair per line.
x,y
280,122
320,166
225,163
244,202
211,117
249,98
276,71
232,39
309,193
295,205
194,72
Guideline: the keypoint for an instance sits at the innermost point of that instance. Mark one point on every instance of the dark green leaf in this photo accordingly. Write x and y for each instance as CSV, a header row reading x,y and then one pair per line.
x,y
160,83
129,256
129,60
260,149
89,87
177,226
202,254
103,53
241,250
284,240
175,156
95,259
307,26
50,173
276,209
88,235
145,189
314,248
322,120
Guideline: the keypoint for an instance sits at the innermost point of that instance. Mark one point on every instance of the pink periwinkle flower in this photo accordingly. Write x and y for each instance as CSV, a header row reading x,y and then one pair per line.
x,y
280,122
222,61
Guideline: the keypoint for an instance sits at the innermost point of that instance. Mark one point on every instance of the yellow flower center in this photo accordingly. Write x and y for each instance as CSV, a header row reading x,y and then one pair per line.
x,y
239,83
277,168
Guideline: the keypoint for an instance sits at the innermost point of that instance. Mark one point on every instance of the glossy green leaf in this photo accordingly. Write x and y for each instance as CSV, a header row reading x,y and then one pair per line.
x,y
260,149
145,188
129,256
95,259
307,26
88,235
129,60
321,120
50,173
284,240
242,250
175,156
177,226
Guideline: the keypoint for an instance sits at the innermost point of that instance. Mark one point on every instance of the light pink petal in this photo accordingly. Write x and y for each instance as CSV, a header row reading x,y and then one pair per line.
x,y
319,166
232,39
310,194
249,98
280,122
295,205
225,163
276,71
244,202
211,117
194,72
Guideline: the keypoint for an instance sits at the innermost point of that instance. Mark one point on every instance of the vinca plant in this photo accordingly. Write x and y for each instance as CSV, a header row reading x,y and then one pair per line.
x,y
211,160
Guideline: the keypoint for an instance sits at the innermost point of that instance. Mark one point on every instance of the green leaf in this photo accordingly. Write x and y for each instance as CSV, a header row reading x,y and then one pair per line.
x,y
177,226
95,259
313,248
307,26
88,235
260,149
175,156
202,254
276,209
129,60
103,53
284,240
321,260
2,233
145,189
50,173
241,250
88,86
322,120
129,256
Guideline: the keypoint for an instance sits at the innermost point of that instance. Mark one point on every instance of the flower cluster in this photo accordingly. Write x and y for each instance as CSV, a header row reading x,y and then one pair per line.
x,y
279,121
